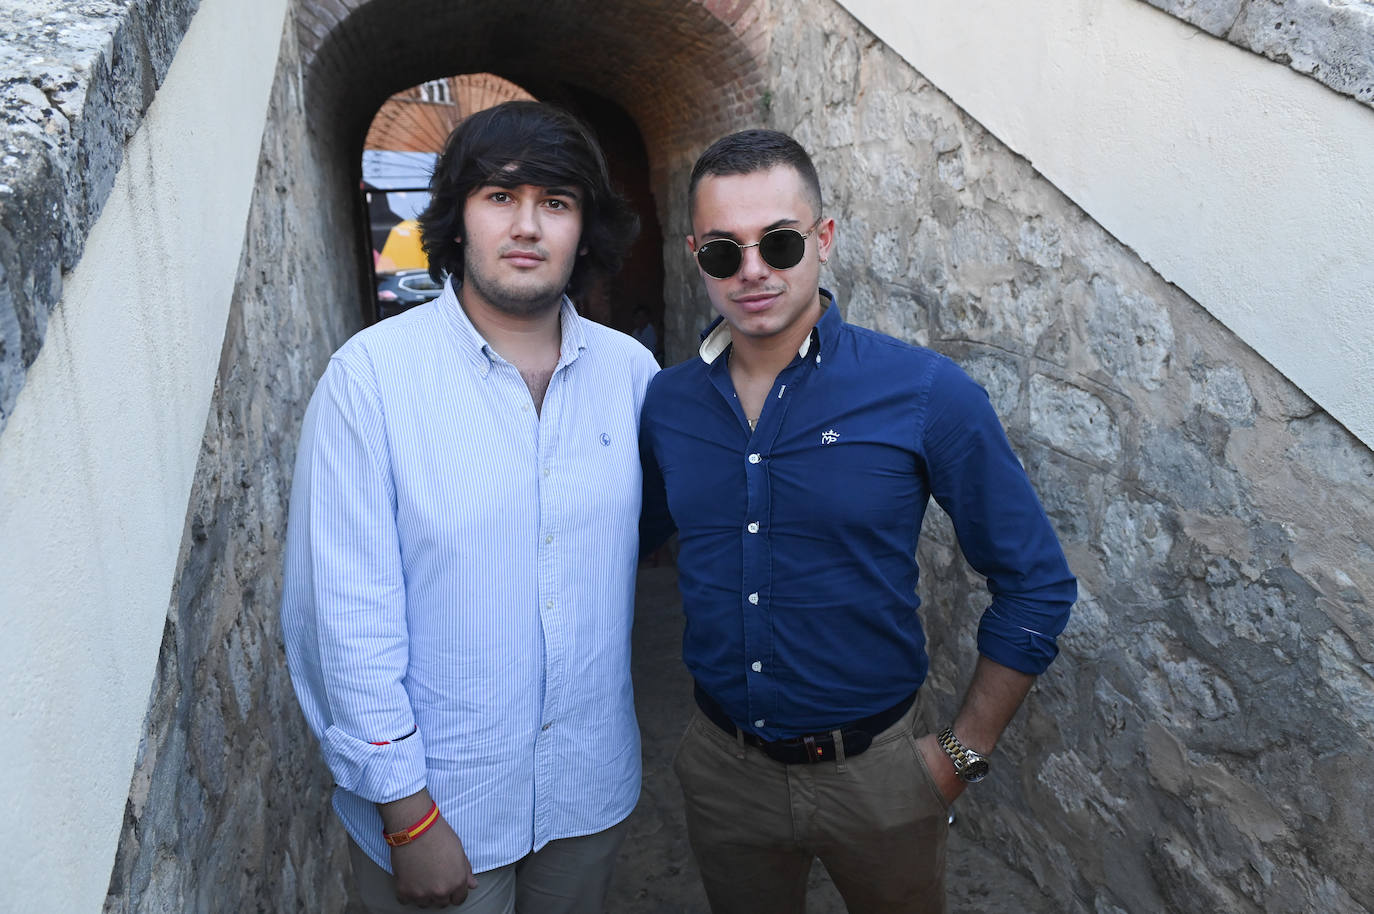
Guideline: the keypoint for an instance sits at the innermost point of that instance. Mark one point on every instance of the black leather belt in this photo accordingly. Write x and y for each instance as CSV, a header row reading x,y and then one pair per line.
x,y
809,747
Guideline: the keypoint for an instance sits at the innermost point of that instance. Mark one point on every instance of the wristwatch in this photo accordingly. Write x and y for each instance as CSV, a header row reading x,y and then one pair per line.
x,y
968,765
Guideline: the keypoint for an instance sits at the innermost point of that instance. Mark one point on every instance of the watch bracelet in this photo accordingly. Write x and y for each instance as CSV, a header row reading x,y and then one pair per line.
x,y
960,755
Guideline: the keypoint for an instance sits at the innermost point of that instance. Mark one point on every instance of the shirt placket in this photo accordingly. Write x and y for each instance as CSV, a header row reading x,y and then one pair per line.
x,y
756,547
553,611
755,604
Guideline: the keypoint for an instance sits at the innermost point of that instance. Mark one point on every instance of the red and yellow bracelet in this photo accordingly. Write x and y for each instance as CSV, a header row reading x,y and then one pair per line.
x,y
405,836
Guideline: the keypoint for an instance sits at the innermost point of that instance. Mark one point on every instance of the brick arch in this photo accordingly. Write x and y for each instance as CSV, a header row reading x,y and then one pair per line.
x,y
685,70
409,122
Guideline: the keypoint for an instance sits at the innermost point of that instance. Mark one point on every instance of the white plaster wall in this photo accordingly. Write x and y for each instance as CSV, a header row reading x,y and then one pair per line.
x,y
97,460
1249,186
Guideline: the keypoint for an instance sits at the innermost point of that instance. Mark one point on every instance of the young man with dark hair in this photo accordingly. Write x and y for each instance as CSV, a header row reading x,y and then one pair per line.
x,y
461,555
796,458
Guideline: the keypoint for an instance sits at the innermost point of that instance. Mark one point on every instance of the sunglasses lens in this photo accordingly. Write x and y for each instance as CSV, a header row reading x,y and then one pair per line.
x,y
782,249
720,258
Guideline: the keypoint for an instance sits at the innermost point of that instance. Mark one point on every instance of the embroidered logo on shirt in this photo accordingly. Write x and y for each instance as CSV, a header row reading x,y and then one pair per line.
x,y
829,436
605,439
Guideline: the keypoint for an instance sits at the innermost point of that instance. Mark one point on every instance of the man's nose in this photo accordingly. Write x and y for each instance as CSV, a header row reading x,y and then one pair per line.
x,y
526,224
752,265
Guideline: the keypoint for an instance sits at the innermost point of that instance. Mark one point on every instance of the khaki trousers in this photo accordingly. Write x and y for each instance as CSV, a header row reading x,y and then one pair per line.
x,y
877,822
568,876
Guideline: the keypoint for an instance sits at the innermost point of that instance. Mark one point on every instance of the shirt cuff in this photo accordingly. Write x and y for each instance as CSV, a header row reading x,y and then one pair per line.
x,y
1012,646
378,774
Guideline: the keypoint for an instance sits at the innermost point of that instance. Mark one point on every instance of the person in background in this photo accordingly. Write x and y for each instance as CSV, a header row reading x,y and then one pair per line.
x,y
644,331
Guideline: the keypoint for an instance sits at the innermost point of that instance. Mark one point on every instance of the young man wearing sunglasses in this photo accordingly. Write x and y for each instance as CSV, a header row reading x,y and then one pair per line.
x,y
796,457
460,563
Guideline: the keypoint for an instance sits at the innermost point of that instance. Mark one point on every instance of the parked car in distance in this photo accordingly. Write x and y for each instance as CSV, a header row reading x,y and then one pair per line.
x,y
403,290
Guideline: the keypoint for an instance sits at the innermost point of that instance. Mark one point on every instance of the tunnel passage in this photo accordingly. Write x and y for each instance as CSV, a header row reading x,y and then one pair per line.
x,y
678,74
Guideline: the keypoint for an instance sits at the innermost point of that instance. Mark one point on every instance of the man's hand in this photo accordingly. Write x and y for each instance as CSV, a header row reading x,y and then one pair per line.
x,y
433,870
993,696
941,768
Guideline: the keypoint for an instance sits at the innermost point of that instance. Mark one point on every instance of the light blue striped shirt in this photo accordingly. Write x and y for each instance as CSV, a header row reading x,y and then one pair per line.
x,y
459,566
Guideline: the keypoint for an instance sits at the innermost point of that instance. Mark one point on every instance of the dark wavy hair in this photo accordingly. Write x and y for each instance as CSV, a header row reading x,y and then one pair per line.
x,y
518,143
748,151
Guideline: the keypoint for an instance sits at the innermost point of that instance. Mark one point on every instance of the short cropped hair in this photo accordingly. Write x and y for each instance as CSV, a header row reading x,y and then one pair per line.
x,y
749,151
525,142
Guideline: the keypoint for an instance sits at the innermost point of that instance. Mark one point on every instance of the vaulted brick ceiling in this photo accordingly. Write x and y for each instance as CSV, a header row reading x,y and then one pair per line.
x,y
686,71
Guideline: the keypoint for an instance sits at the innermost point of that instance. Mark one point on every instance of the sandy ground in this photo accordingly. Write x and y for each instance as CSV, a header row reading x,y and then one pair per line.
x,y
656,874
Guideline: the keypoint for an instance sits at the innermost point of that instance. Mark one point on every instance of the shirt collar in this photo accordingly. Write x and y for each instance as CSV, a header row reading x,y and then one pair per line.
x,y
715,339
478,351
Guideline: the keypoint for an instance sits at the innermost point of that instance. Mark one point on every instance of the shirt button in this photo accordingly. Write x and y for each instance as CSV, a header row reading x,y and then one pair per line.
x,y
754,458
754,598
758,723
757,667
547,471
548,539
754,527
549,604
547,725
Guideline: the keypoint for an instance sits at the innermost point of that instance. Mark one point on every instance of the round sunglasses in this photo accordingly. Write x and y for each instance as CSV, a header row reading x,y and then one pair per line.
x,y
781,249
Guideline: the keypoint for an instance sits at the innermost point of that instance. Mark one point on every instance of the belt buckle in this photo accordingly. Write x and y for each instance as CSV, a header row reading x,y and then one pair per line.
x,y
857,741
814,752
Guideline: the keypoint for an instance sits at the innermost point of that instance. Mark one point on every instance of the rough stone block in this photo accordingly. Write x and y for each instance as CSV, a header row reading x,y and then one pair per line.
x,y
77,79
1073,420
1331,41
887,256
1135,537
1212,16
897,313
1000,377
1131,334
1223,391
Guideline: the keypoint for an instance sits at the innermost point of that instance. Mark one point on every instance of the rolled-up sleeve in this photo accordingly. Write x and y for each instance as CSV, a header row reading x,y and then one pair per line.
x,y
344,603
1002,528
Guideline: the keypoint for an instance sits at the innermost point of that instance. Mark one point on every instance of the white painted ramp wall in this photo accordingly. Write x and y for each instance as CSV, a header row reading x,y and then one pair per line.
x,y
97,460
1246,184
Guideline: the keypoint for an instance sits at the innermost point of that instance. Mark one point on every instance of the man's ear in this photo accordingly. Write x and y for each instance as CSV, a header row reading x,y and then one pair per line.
x,y
825,238
692,244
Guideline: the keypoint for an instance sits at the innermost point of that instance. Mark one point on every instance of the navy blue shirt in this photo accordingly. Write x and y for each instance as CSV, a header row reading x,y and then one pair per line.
x,y
797,540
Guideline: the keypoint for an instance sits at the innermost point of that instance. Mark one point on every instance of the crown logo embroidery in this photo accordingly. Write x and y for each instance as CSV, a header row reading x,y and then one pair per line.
x,y
829,436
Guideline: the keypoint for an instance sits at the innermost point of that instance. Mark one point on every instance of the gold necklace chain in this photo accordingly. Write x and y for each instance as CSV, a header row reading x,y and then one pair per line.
x,y
753,423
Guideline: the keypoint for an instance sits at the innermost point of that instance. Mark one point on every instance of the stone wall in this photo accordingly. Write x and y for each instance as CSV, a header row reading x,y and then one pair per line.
x,y
1204,739
74,84
1331,41
229,804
